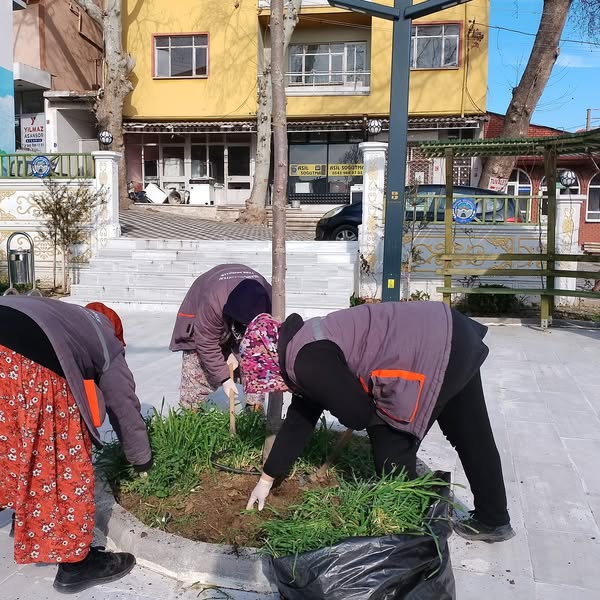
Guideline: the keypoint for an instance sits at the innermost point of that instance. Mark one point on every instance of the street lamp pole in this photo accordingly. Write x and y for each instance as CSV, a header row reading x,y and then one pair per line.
x,y
402,14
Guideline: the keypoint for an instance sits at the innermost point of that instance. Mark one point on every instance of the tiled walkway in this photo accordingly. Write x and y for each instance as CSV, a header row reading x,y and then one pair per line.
x,y
543,393
152,223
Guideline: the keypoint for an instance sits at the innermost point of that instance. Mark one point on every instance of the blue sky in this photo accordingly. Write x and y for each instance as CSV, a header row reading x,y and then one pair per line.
x,y
575,82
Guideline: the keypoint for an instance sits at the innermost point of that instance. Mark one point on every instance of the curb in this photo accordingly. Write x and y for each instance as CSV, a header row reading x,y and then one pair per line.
x,y
190,562
535,322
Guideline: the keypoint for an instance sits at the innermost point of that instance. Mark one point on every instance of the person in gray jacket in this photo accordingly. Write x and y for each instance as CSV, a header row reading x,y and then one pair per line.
x,y
392,369
62,370
209,326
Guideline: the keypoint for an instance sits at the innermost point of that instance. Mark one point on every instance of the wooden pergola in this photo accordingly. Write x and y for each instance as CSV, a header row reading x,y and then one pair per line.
x,y
587,143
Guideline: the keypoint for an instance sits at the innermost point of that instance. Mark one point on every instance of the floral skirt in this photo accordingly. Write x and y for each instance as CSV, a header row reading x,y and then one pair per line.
x,y
46,473
195,388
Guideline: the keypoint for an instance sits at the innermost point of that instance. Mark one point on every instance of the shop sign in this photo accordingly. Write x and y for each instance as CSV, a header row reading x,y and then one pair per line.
x,y
345,170
33,132
303,170
498,184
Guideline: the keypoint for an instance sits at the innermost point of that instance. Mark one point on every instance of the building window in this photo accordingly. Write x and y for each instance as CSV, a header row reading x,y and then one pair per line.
x,y
519,184
323,166
181,56
340,64
434,46
592,212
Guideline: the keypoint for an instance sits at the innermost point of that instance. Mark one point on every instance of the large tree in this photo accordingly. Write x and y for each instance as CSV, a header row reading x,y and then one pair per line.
x,y
117,86
585,14
526,95
278,260
256,205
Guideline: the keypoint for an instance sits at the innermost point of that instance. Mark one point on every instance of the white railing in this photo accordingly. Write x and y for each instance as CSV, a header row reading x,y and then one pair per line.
x,y
328,82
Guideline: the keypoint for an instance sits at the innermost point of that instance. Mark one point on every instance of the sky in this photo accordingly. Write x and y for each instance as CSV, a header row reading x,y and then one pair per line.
x,y
574,85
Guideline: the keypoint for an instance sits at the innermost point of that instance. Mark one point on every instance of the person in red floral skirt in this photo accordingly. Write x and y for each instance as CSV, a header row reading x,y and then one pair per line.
x,y
62,370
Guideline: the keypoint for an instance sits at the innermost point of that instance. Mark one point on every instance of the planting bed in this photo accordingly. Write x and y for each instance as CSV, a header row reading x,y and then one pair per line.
x,y
186,494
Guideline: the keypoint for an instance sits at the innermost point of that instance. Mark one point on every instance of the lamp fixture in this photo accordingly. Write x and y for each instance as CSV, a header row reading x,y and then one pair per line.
x,y
105,137
568,178
374,126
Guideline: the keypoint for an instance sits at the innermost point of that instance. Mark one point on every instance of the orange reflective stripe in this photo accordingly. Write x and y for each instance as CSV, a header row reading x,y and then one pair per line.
x,y
92,398
364,385
408,375
185,315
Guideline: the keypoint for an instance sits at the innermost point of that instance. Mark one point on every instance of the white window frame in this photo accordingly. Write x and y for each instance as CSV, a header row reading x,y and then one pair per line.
x,y
341,82
193,47
594,184
415,38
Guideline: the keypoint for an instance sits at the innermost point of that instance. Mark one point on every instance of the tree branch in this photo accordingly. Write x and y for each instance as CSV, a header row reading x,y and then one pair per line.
x,y
91,9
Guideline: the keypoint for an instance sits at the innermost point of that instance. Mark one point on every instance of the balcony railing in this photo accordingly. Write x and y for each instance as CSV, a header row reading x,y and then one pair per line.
x,y
64,165
328,83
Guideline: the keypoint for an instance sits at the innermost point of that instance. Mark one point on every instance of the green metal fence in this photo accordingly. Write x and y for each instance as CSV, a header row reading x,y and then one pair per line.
x,y
490,210
64,165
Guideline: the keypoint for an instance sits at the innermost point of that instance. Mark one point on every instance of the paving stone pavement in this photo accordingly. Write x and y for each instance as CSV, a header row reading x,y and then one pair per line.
x,y
543,395
151,223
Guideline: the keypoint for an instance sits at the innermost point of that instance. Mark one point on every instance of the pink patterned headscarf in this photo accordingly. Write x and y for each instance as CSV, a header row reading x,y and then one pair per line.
x,y
258,356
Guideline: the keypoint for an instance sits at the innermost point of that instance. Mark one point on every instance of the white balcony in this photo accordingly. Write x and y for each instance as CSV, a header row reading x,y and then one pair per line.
x,y
330,83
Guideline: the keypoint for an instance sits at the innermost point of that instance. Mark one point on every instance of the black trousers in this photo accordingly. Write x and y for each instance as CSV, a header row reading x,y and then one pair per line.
x,y
463,418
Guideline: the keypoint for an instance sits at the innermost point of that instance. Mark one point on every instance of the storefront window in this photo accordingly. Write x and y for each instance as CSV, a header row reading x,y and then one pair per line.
x,y
326,168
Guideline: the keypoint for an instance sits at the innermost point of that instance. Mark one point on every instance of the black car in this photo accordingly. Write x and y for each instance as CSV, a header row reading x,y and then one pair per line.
x,y
341,223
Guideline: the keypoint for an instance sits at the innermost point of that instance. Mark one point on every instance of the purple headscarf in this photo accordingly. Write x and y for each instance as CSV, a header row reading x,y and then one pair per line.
x,y
258,356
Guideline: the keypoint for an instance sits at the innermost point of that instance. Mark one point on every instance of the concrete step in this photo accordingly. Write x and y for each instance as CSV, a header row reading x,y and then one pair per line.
x,y
238,246
196,268
297,282
158,294
154,273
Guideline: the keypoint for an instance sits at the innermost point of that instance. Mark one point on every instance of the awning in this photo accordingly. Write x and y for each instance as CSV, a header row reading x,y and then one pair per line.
x,y
189,126
298,125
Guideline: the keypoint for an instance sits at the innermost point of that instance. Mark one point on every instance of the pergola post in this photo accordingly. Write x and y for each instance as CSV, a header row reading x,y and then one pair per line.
x,y
448,241
547,302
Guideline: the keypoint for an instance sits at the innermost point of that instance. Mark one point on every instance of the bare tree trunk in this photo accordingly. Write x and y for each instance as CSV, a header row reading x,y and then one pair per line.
x,y
279,197
526,95
118,66
54,269
65,270
256,205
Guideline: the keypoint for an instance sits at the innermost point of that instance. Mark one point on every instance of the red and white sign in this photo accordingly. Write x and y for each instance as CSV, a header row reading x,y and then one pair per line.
x,y
497,184
33,132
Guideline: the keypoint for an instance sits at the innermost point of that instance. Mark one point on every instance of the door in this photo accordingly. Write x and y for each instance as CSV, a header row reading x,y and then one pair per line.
x,y
238,174
172,174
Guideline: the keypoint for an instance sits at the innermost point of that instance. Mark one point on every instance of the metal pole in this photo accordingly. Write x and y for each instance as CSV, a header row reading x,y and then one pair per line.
x,y
396,171
588,120
448,241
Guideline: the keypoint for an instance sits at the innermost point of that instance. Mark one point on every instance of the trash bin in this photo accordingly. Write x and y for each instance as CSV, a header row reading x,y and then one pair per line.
x,y
19,263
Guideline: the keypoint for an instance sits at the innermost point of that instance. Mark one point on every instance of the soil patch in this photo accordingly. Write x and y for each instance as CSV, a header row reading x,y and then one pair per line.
x,y
214,511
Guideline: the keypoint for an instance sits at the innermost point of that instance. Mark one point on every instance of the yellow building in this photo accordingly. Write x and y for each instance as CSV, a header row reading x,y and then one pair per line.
x,y
191,118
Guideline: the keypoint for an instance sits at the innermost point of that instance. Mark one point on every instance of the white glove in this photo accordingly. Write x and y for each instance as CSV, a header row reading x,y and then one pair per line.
x,y
229,387
232,362
260,492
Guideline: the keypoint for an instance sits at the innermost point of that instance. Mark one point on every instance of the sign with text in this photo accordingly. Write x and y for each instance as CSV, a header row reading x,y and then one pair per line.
x,y
33,132
497,184
345,170
303,170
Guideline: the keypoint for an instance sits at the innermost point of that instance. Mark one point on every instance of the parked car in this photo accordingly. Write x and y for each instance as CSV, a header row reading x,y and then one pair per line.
x,y
341,223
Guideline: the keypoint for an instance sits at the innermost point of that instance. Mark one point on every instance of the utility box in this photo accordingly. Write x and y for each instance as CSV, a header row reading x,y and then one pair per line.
x,y
202,191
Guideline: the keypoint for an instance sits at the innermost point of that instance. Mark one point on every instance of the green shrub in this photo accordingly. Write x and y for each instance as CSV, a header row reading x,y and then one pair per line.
x,y
490,304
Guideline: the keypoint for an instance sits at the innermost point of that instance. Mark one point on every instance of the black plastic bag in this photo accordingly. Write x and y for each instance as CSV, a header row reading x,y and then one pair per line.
x,y
394,567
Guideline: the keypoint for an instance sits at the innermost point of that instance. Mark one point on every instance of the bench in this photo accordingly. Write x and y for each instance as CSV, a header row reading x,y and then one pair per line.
x,y
547,294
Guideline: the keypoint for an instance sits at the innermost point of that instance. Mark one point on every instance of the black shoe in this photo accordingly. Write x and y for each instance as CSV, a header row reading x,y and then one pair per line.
x,y
96,568
473,529
12,527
